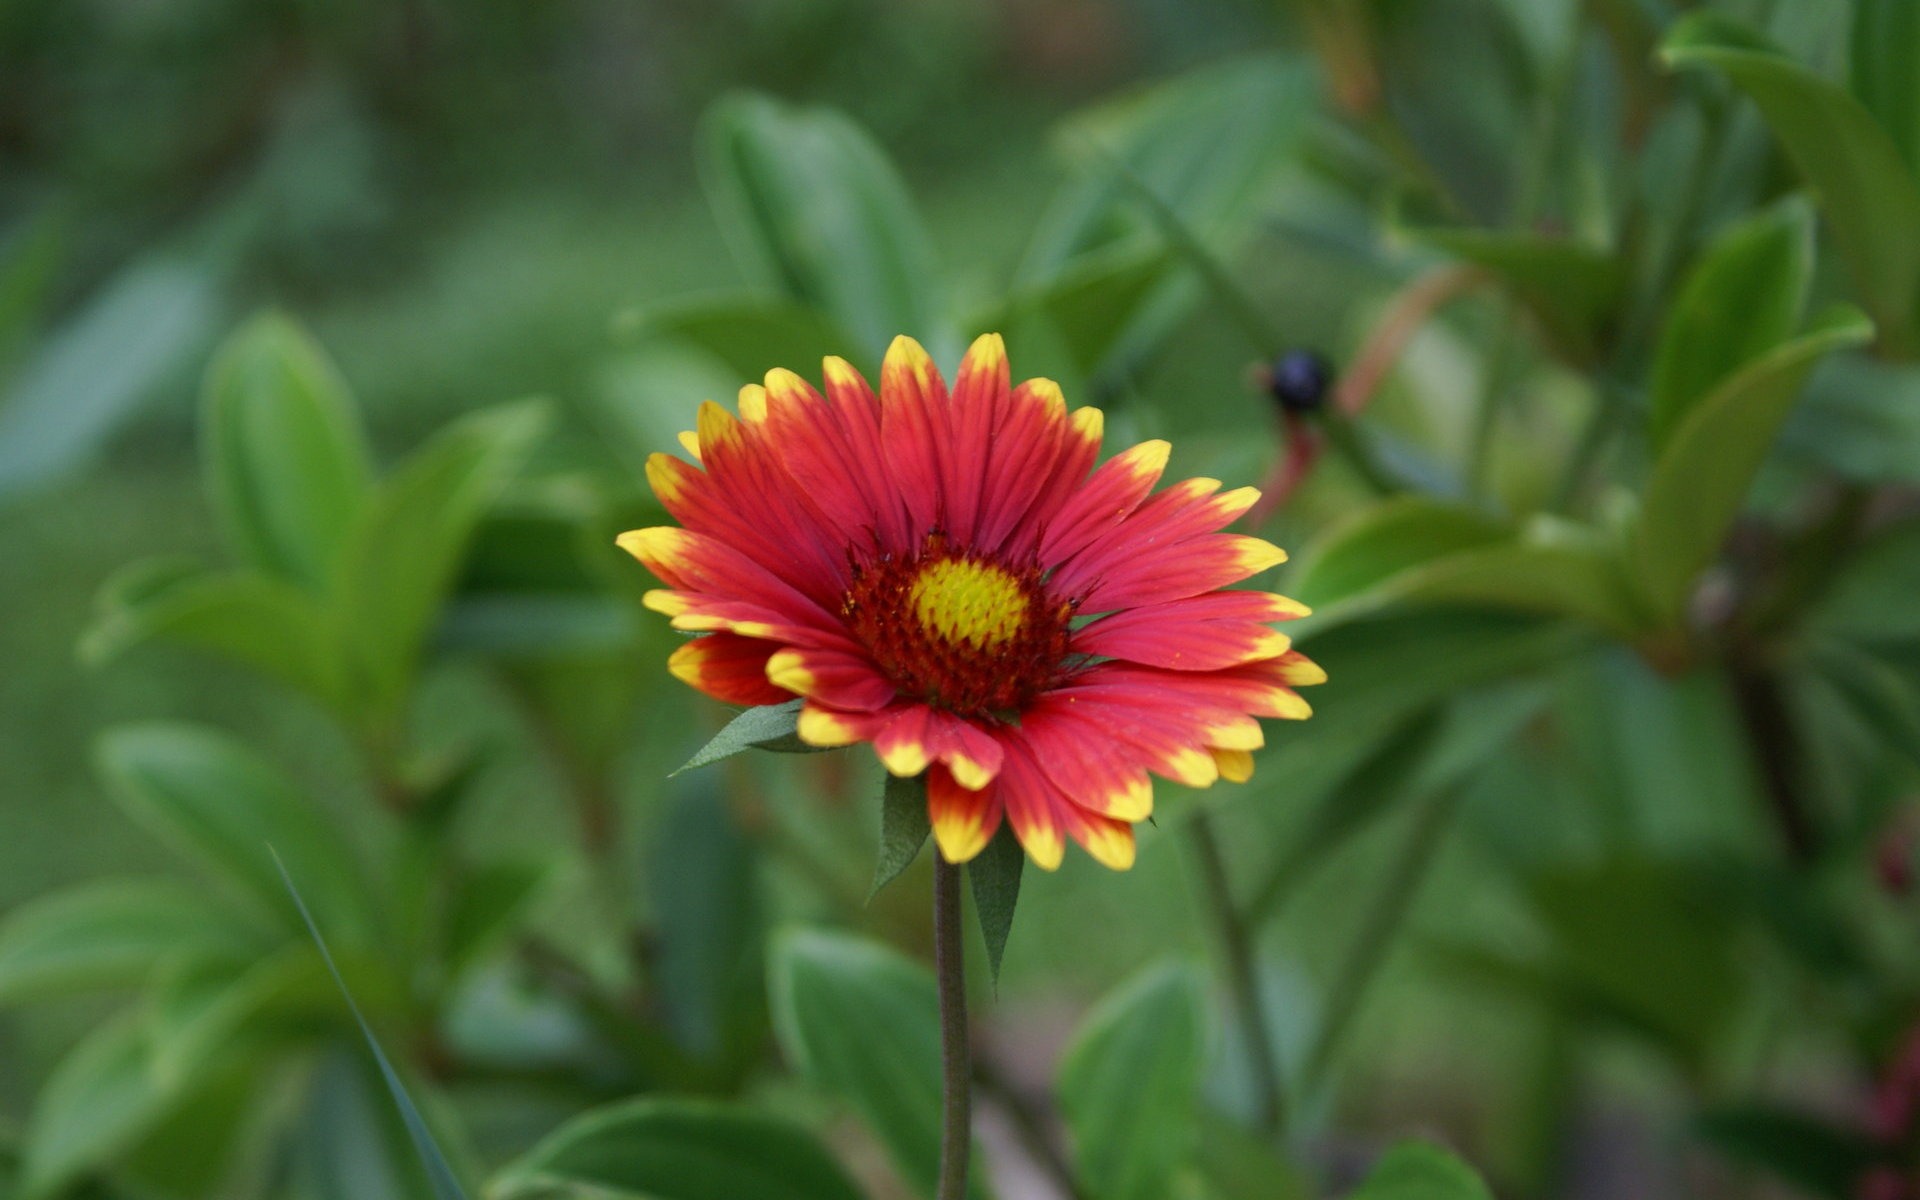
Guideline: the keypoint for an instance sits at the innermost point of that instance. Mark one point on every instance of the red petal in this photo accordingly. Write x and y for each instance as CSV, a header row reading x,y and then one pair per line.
x,y
728,667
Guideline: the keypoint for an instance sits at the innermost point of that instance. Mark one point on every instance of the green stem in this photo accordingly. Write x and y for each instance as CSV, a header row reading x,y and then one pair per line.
x,y
1243,980
956,1064
1377,931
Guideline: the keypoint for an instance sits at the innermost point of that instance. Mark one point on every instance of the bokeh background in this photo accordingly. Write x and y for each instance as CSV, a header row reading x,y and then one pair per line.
x,y
469,203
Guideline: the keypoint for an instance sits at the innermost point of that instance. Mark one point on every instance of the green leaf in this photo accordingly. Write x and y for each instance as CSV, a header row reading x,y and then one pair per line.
x,y
93,372
670,1149
1572,289
221,804
1071,326
904,827
1129,1085
1801,1150
1874,690
489,902
813,208
1701,479
1870,196
100,1099
1871,597
445,1185
285,458
206,1006
863,1024
768,727
403,556
995,877
351,1144
1416,550
1203,142
112,934
1744,297
266,624
703,876
1419,1171
1860,417
1239,1166
1886,70
751,335
1684,985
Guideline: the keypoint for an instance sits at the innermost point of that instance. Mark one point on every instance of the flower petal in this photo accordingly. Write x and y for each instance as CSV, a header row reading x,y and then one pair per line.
x,y
1197,633
1196,565
836,678
729,668
914,431
1113,491
964,820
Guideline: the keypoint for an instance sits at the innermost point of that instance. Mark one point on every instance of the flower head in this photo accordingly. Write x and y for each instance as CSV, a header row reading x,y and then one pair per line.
x,y
951,578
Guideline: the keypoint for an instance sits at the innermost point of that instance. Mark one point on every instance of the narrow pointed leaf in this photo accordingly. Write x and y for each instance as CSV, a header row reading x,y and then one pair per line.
x,y
995,876
1420,1171
445,1185
904,827
1702,478
768,727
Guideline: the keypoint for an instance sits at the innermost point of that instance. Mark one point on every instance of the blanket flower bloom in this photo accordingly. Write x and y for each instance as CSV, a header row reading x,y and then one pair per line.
x,y
949,577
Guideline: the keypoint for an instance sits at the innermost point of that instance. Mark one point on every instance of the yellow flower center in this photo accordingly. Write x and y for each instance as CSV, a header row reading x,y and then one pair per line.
x,y
970,601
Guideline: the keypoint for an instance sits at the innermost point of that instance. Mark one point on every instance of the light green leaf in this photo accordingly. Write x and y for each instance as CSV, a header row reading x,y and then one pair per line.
x,y
1239,1166
402,557
1418,1171
751,335
91,373
111,934
221,804
1413,550
1701,480
863,1024
813,208
1129,1085
1868,192
994,875
1744,297
285,458
204,1006
266,624
1070,326
670,1149
99,1102
768,727
489,902
904,827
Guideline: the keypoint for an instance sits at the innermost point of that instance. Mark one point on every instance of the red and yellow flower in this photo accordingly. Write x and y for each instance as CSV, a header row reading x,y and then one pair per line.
x,y
951,578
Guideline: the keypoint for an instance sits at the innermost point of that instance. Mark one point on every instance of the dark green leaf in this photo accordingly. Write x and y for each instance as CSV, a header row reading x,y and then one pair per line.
x,y
223,805
1572,289
285,458
1881,696
1861,418
903,828
1419,1171
90,374
1129,1085
1744,297
405,552
668,1149
863,1024
266,624
1871,599
1701,480
769,727
111,934
1824,1159
995,877
704,888
489,902
1868,192
813,207
445,1185
1886,70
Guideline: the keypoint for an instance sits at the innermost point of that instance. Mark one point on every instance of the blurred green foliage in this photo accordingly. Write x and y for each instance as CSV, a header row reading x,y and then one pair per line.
x,y
1608,524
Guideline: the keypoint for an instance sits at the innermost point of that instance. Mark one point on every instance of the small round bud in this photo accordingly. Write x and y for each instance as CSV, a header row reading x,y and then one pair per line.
x,y
1300,380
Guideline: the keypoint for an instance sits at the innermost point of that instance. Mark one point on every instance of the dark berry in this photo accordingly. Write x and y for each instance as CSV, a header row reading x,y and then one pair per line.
x,y
1299,380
